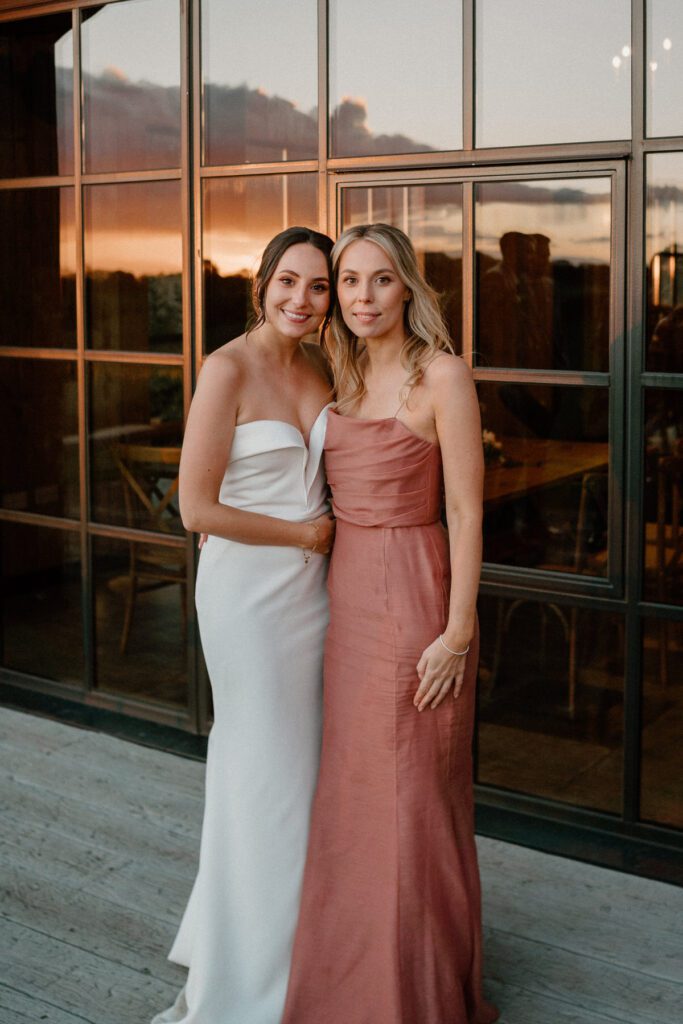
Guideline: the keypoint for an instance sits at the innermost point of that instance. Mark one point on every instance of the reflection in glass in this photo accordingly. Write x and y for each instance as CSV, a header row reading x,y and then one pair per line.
x,y
543,274
663,498
431,215
395,77
133,263
38,268
240,216
130,55
140,625
260,87
551,701
662,722
41,604
572,53
135,436
664,67
39,429
36,97
664,335
546,483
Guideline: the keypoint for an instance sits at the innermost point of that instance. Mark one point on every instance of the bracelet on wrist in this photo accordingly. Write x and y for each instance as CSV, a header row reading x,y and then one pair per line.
x,y
450,651
309,551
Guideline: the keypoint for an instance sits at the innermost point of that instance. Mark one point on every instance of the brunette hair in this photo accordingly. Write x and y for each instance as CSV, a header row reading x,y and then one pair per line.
x,y
272,254
426,331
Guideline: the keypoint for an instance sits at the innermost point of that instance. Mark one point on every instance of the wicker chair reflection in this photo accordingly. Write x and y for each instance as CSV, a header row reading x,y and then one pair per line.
x,y
589,556
149,475
664,545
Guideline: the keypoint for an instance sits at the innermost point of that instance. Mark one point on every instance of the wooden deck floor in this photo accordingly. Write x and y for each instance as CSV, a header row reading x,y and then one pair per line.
x,y
99,850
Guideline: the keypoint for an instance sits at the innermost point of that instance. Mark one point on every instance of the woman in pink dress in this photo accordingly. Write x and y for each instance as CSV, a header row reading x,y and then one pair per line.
x,y
389,930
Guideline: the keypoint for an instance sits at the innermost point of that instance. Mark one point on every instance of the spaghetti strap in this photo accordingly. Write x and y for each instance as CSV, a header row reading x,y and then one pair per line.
x,y
395,416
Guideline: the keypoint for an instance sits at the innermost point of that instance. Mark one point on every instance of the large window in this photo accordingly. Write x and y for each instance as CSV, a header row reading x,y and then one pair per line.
x,y
542,64
259,81
395,77
533,151
534,303
664,69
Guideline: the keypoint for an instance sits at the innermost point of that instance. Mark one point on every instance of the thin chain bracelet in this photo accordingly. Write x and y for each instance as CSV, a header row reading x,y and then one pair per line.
x,y
309,551
444,644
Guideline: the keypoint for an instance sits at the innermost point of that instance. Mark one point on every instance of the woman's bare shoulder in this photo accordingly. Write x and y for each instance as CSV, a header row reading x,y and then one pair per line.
x,y
227,362
447,371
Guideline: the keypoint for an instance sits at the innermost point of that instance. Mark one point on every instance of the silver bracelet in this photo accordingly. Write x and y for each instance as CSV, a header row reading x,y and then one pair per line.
x,y
459,653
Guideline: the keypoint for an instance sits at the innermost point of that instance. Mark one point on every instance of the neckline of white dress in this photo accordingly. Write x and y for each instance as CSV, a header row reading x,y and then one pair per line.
x,y
286,423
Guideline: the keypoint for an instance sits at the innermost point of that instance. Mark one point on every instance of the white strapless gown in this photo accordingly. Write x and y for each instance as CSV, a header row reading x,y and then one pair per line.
x,y
262,617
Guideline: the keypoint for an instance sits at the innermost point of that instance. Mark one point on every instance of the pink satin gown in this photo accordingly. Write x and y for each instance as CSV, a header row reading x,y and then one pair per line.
x,y
389,930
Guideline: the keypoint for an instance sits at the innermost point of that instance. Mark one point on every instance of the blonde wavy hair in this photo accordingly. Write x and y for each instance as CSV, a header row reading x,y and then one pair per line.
x,y
426,331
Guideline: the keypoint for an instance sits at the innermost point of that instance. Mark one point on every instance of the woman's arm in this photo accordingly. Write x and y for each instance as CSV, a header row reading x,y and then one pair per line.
x,y
206,449
458,427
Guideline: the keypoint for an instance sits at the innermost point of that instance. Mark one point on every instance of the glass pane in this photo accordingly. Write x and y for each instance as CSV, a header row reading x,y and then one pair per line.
x,y
431,215
551,701
135,434
133,265
662,716
395,76
541,66
546,483
36,97
259,105
130,55
543,274
663,498
38,268
664,67
41,606
240,216
665,263
140,624
39,429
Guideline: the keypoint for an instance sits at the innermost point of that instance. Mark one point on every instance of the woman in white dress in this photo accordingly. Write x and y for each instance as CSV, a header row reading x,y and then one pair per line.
x,y
251,477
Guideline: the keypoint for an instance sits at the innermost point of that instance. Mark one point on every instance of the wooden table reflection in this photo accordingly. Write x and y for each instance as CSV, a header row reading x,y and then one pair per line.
x,y
537,463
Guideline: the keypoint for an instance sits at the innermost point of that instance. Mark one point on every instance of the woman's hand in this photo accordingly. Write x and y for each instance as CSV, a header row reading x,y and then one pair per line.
x,y
438,671
320,534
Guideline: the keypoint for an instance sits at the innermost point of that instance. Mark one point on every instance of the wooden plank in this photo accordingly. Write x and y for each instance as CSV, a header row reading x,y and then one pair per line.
x,y
87,782
521,1007
58,858
499,857
581,980
19,1008
25,733
81,983
157,768
22,804
111,875
31,733
587,914
127,763
101,847
134,885
123,934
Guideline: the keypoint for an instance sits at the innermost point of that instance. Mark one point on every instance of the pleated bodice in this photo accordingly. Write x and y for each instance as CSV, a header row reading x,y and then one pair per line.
x,y
381,473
